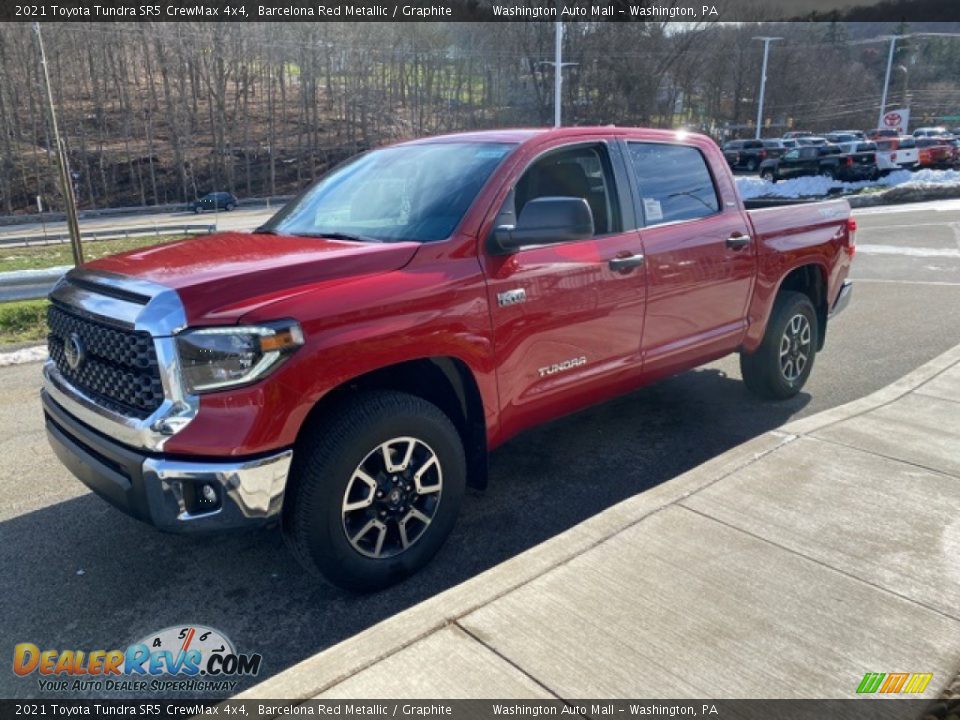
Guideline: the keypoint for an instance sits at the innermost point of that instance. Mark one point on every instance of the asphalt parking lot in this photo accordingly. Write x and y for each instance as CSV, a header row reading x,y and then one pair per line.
x,y
78,574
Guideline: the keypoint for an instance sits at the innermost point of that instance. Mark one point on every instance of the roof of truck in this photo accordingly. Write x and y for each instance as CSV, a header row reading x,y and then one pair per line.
x,y
521,135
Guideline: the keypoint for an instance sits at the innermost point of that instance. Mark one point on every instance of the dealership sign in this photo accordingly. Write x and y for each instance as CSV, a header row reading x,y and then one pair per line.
x,y
896,120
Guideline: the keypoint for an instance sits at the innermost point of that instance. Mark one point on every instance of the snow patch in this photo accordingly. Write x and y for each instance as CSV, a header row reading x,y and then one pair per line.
x,y
818,186
24,355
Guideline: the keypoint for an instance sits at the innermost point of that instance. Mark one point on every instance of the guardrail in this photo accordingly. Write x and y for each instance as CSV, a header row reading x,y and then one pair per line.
x,y
111,234
29,284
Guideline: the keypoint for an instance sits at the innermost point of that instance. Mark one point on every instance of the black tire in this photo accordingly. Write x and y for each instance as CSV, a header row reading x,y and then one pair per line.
x,y
324,471
197,209
229,207
768,174
752,165
763,370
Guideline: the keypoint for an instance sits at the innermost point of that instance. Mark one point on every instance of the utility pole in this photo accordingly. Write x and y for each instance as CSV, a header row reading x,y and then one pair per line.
x,y
558,66
66,183
886,79
557,71
763,80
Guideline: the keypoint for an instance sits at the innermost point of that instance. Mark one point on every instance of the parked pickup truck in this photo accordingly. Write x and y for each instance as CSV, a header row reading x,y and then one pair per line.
x,y
345,369
827,160
898,153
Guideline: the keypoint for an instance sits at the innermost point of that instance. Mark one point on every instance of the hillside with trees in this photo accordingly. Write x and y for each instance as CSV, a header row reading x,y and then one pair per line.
x,y
158,113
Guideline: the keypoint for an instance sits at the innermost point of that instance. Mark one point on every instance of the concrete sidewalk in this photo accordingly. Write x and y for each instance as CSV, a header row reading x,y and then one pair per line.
x,y
786,568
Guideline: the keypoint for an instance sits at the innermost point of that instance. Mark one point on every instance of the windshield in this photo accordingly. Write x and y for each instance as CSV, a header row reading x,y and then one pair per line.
x,y
408,192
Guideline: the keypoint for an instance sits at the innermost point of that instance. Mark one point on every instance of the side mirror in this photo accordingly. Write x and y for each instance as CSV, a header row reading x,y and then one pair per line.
x,y
545,221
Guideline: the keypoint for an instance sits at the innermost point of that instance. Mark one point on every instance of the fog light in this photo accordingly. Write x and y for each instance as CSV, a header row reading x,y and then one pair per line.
x,y
209,494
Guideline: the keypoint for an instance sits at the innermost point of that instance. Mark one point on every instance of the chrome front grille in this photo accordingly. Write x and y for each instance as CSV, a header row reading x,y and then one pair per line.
x,y
117,367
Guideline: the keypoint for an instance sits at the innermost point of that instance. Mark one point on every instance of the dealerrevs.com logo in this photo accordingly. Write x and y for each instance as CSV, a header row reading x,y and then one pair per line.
x,y
190,658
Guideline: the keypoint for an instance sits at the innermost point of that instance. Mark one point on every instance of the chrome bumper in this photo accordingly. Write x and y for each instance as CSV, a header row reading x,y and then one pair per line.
x,y
843,299
172,494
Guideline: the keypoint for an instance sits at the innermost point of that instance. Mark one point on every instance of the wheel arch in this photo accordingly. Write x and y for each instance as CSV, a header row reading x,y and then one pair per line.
x,y
811,280
444,381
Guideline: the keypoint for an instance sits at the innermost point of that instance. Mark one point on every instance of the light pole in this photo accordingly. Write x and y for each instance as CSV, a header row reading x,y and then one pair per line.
x,y
558,66
763,79
65,181
886,79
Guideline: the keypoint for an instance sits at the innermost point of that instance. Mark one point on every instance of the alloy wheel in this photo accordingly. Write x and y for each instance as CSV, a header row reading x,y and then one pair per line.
x,y
392,497
795,347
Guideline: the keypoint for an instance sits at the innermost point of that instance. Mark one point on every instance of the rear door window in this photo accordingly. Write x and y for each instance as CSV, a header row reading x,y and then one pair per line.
x,y
673,182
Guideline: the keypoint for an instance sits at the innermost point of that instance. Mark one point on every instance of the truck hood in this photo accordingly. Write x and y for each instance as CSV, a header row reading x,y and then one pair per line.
x,y
223,276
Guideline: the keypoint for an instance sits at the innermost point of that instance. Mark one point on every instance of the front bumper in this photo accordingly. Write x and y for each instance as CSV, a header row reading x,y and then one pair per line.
x,y
169,492
843,299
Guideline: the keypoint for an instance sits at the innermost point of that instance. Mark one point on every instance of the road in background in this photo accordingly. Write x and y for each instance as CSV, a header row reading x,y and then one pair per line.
x,y
239,219
79,574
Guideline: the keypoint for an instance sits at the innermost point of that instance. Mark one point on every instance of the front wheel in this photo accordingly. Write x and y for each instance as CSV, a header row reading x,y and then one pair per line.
x,y
752,165
779,368
375,491
768,176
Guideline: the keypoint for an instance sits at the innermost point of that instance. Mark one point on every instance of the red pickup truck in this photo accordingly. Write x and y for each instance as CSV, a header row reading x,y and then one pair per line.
x,y
345,369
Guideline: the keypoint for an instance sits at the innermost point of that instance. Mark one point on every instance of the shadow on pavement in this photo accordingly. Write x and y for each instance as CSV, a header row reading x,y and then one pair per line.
x,y
81,575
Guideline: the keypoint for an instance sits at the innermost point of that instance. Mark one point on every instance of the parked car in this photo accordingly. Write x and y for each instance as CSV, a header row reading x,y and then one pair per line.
x,y
955,144
934,152
794,134
925,132
811,141
827,160
748,154
899,153
215,201
881,133
345,369
846,136
856,134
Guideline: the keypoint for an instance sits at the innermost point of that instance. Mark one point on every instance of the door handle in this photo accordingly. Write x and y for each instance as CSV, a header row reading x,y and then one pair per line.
x,y
737,242
627,262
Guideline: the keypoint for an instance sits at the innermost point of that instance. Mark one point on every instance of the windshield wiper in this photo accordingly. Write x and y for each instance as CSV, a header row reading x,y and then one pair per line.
x,y
264,230
342,236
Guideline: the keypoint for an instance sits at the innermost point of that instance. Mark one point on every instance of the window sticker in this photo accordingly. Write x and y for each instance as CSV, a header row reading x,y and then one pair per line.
x,y
652,209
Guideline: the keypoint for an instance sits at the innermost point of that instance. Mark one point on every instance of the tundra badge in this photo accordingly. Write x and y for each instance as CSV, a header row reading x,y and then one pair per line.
x,y
562,366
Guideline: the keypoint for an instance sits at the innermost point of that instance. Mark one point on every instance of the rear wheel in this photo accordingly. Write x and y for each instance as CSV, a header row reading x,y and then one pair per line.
x,y
768,175
375,492
197,209
752,164
229,206
779,368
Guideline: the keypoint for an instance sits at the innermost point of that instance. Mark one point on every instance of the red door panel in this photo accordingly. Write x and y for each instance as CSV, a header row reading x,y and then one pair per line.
x,y
578,325
699,286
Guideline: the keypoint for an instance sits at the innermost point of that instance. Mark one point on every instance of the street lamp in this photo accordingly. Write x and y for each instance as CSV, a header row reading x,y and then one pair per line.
x,y
763,79
558,66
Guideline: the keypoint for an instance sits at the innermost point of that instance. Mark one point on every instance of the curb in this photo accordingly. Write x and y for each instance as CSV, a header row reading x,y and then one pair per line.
x,y
315,674
904,194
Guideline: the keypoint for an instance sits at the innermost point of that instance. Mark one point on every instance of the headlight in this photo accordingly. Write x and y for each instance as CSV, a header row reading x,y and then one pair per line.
x,y
221,357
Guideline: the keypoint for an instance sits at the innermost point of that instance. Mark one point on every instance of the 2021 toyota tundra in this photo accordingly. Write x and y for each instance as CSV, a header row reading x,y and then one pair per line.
x,y
345,369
